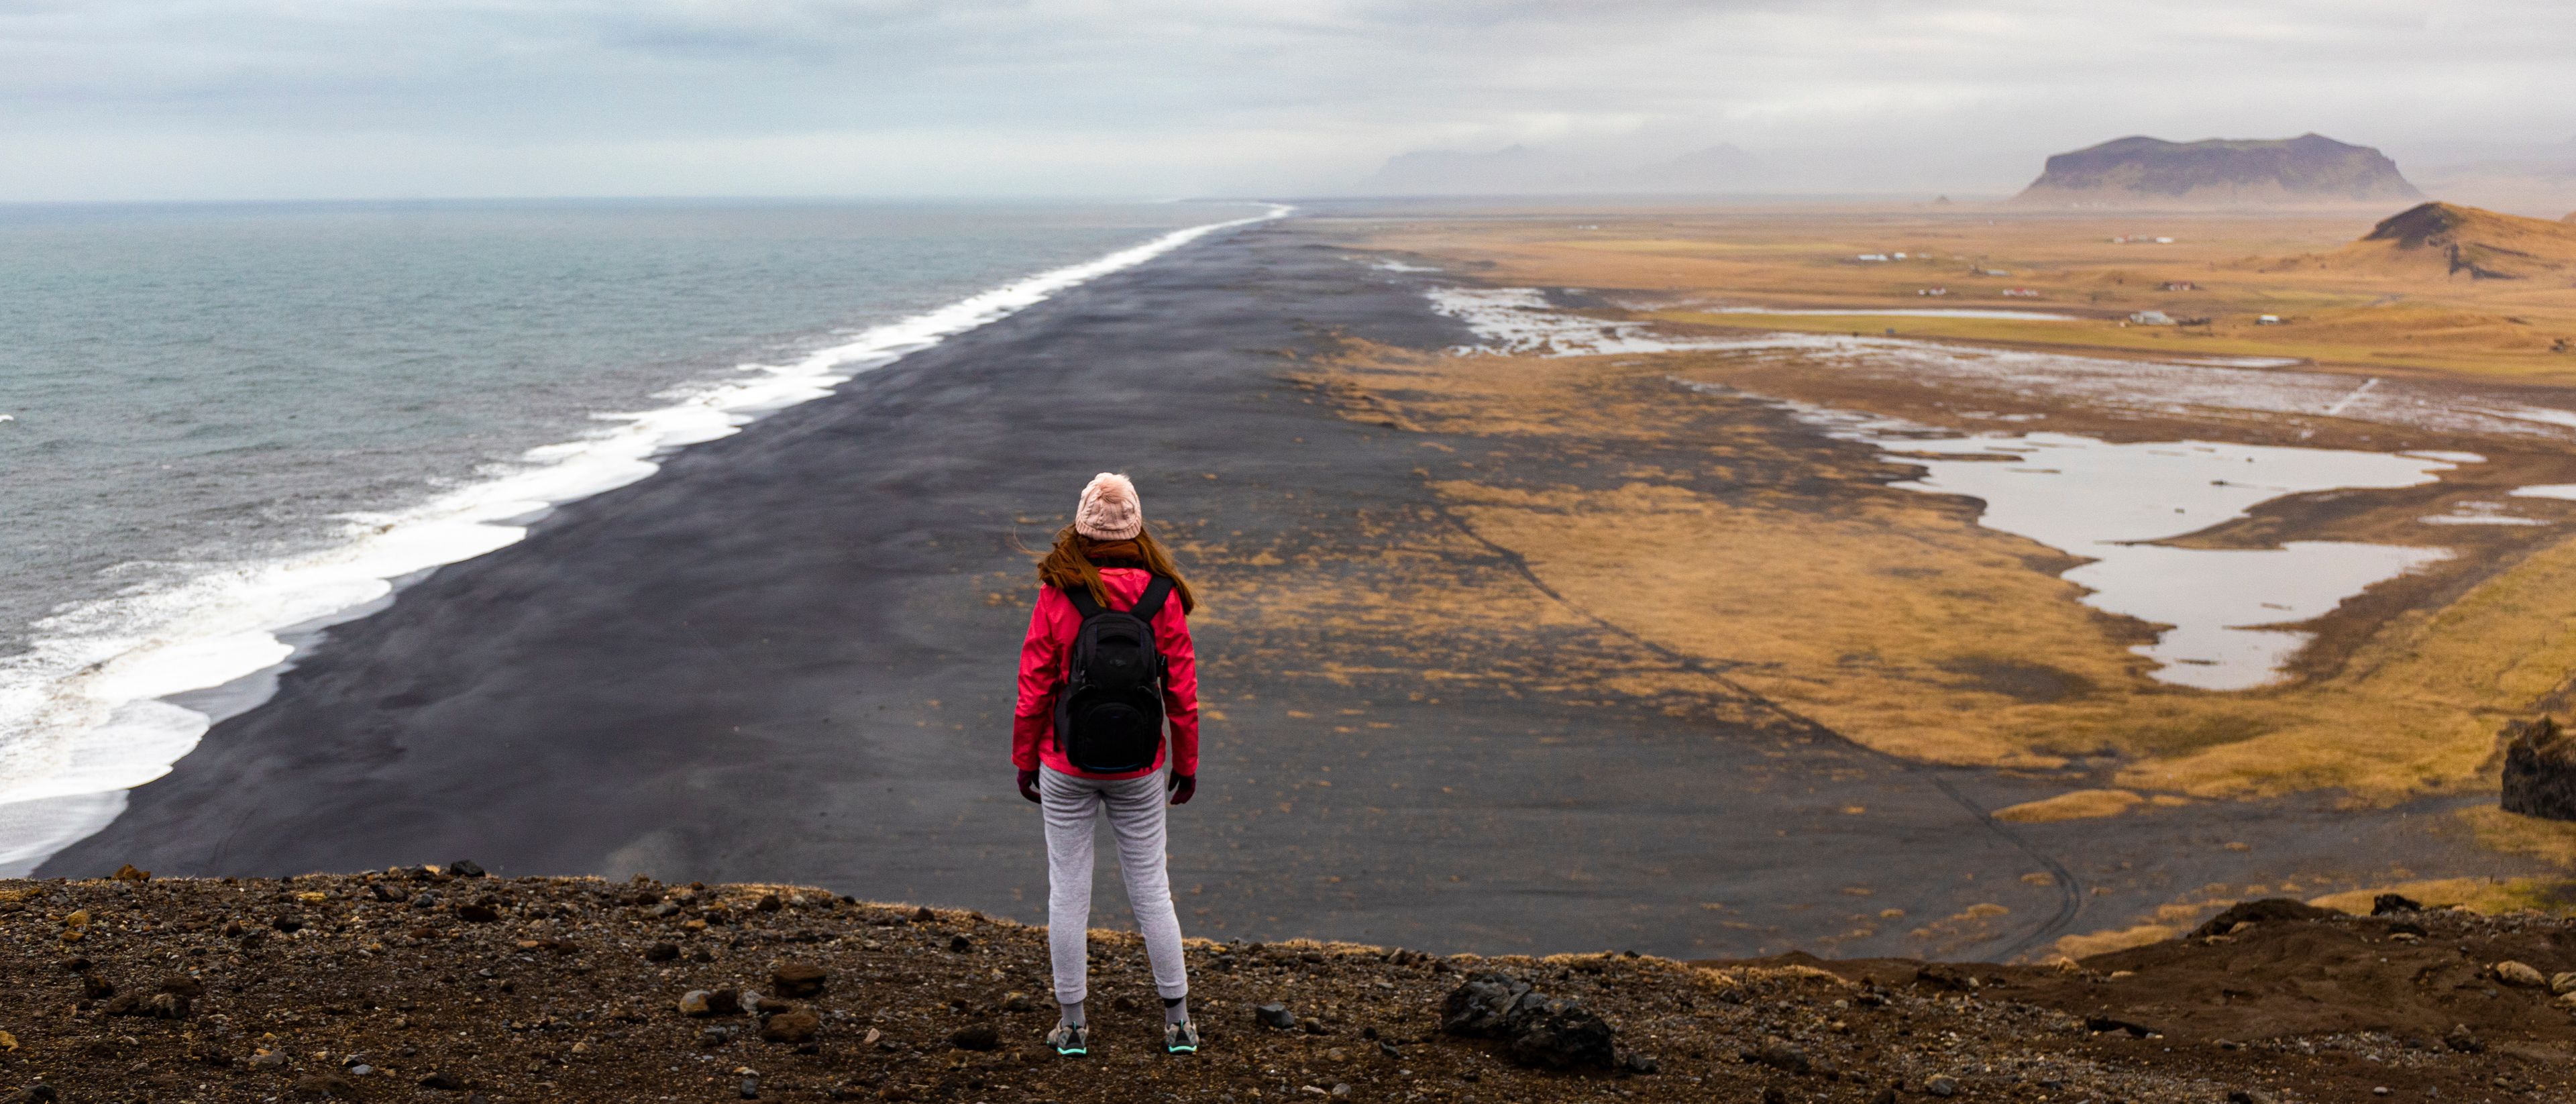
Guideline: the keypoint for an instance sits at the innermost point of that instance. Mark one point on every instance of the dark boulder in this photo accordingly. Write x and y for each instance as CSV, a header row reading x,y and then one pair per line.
x,y
2539,770
2256,912
1535,1029
1477,1006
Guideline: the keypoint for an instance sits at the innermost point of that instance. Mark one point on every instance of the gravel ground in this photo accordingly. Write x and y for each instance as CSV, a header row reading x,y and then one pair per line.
x,y
427,984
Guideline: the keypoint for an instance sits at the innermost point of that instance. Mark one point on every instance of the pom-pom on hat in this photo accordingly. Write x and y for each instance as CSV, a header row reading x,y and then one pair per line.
x,y
1110,509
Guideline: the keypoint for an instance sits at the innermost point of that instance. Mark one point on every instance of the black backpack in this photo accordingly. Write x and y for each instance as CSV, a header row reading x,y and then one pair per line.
x,y
1109,716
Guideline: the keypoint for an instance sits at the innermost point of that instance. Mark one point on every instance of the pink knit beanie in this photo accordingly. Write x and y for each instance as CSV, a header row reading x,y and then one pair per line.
x,y
1110,509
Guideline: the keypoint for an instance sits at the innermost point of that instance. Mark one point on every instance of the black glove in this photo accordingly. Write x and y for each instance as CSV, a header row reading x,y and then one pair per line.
x,y
1029,785
1183,785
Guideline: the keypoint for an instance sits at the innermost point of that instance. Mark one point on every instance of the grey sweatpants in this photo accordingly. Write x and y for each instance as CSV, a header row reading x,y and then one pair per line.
x,y
1135,812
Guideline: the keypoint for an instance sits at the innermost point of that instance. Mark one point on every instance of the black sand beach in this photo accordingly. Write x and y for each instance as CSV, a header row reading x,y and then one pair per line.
x,y
788,658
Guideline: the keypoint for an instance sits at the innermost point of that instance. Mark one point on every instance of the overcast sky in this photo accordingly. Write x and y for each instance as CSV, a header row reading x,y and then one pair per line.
x,y
126,99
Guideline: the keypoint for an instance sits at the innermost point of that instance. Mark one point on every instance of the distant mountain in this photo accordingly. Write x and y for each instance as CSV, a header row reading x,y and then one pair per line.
x,y
1520,170
1449,172
2450,240
2308,169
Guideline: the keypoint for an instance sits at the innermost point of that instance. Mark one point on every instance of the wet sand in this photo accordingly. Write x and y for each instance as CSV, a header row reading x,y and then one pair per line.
x,y
788,657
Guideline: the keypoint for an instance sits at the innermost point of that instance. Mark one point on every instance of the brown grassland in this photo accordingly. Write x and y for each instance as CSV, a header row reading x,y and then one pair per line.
x,y
1708,524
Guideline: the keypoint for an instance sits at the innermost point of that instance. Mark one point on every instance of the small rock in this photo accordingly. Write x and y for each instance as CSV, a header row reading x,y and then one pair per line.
x,y
269,1059
2519,974
796,1025
129,873
1781,1054
443,1082
960,944
769,902
1016,1001
2461,1039
183,985
290,923
1638,1064
2387,903
975,1037
924,916
480,912
41,1094
750,1088
710,1002
715,1036
95,987
1275,1015
661,952
2253,1096
1341,1089
1942,1085
798,979
2562,982
1388,1049
465,868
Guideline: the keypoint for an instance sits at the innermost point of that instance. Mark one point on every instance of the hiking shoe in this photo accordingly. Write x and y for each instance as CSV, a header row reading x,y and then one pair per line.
x,y
1181,1038
1069,1040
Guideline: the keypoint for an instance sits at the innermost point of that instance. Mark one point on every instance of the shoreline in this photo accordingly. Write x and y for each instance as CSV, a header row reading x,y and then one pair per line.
x,y
146,706
787,658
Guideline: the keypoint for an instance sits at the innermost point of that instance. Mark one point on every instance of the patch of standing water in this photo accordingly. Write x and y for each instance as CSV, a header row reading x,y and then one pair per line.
x,y
2108,502
2097,499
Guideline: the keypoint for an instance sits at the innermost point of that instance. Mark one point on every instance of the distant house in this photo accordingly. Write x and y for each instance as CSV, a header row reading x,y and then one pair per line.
x,y
2268,320
2178,285
1871,257
1932,291
1993,272
2021,293
2152,318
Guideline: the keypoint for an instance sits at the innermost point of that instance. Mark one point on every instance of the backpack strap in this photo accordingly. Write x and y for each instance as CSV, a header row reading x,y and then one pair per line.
x,y
1151,602
1147,604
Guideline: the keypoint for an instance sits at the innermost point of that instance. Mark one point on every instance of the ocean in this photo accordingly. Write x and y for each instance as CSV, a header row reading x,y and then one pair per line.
x,y
224,426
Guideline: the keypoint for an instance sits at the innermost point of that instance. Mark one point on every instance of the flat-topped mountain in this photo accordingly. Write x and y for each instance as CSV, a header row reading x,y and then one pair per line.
x,y
2308,169
2451,240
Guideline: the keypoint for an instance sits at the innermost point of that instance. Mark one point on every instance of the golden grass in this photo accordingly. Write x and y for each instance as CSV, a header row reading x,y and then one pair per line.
x,y
1896,620
2338,308
2119,939
2076,805
2551,841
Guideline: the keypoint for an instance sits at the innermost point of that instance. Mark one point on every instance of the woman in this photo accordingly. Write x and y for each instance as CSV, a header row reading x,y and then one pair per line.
x,y
1107,571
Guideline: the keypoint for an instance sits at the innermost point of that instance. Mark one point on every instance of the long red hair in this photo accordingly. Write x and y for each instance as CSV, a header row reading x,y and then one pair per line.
x,y
1075,561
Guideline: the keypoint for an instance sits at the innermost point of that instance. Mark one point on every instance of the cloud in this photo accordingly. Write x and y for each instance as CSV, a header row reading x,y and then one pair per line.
x,y
121,98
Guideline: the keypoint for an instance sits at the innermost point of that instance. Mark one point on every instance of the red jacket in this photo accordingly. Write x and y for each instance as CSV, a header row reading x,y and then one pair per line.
x,y
1043,655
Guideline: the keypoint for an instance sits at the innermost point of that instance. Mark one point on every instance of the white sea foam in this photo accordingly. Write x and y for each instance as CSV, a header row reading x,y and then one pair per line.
x,y
80,719
2104,501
